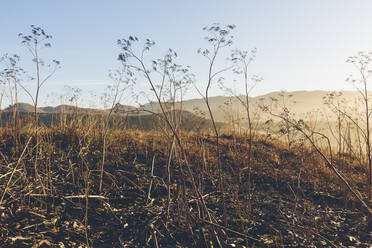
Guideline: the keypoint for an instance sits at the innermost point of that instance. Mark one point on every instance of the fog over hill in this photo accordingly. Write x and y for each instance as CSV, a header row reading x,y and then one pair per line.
x,y
301,103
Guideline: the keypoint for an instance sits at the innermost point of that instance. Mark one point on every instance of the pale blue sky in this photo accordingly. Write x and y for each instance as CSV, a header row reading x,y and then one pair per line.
x,y
302,45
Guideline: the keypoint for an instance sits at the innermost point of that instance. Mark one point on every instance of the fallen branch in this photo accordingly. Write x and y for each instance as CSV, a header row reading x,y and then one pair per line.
x,y
85,196
309,229
14,170
10,172
230,230
74,196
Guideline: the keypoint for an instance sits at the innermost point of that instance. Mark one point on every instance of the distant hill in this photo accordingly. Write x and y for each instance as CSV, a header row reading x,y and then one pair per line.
x,y
68,109
224,108
28,108
301,103
147,121
23,108
123,117
123,109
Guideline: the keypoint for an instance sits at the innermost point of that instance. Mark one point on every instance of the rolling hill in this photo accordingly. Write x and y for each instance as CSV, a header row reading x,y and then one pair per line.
x,y
303,104
298,102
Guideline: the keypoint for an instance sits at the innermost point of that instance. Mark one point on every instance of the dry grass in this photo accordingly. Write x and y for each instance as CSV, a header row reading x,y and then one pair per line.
x,y
296,200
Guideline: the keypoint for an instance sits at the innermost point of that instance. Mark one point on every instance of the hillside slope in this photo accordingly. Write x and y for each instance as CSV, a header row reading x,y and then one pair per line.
x,y
299,102
293,199
223,107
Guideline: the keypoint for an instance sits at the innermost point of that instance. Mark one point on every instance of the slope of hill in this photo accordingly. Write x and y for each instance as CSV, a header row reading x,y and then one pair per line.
x,y
23,108
299,102
146,122
68,109
122,116
291,200
119,108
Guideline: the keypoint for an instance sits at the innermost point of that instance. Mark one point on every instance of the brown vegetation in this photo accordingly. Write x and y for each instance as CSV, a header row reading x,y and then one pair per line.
x,y
296,199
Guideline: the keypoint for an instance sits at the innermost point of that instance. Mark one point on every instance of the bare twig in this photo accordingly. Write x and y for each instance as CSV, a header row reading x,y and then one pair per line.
x,y
15,169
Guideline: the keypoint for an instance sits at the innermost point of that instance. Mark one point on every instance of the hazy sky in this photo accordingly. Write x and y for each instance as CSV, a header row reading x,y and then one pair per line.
x,y
302,45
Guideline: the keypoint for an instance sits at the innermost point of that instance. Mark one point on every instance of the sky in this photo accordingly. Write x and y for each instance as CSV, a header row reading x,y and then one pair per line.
x,y
301,45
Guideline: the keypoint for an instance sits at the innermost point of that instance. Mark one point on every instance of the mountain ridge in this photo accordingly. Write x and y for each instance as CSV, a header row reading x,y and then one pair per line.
x,y
299,102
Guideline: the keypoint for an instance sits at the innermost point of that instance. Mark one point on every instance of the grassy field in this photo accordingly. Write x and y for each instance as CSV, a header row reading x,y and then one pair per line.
x,y
51,194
